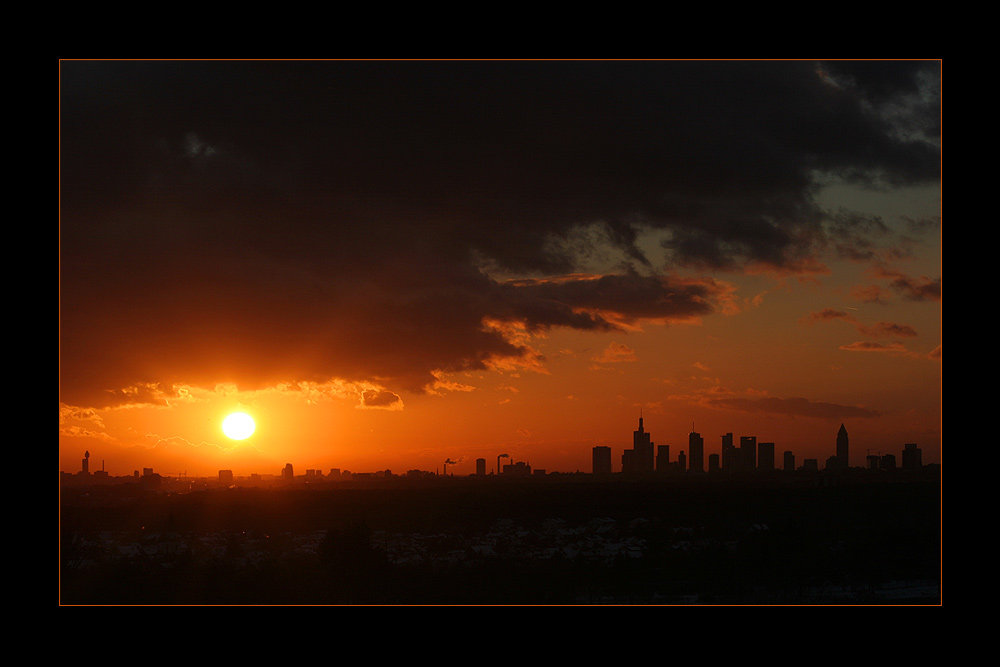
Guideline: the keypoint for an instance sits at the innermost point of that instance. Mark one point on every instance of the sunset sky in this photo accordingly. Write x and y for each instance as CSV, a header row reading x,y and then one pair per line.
x,y
394,264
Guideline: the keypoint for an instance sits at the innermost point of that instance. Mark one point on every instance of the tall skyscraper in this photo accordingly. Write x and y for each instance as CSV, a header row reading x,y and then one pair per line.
x,y
843,451
640,458
696,452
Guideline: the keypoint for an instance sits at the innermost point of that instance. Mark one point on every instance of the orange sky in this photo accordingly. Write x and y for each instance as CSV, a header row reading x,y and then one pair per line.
x,y
389,271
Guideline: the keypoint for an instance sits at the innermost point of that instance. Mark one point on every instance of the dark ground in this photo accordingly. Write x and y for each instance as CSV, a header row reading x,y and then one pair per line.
x,y
783,539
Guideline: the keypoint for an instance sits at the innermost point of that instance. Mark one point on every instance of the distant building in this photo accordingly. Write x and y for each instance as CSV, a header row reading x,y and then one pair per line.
x,y
519,469
748,453
713,463
481,467
765,456
226,477
843,447
912,457
789,462
640,457
888,462
730,455
601,460
810,465
628,461
696,450
663,458
681,462
287,474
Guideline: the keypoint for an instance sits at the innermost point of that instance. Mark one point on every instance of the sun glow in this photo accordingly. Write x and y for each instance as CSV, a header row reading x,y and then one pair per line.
x,y
238,426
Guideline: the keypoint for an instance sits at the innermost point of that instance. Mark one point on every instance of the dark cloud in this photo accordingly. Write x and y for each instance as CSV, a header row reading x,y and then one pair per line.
x,y
880,329
606,302
869,346
796,407
250,220
890,329
380,399
856,235
904,92
913,289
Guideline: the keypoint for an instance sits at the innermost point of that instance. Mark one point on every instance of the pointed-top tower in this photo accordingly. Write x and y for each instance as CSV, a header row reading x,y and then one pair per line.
x,y
843,450
642,446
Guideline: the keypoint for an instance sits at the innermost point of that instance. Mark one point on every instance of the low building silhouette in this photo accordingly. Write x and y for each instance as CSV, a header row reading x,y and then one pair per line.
x,y
601,461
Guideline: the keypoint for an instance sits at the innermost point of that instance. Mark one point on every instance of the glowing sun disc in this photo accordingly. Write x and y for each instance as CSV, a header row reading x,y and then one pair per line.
x,y
238,426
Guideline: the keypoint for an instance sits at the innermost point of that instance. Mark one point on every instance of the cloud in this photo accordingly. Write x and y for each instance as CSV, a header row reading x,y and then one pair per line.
x,y
881,329
890,329
614,301
868,346
615,353
380,399
440,386
856,235
870,294
914,289
388,222
69,413
795,407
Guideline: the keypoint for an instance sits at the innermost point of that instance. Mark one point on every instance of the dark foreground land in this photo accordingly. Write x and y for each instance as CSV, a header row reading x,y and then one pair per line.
x,y
561,539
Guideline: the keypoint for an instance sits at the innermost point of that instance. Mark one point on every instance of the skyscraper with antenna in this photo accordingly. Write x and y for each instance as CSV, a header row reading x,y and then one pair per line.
x,y
641,457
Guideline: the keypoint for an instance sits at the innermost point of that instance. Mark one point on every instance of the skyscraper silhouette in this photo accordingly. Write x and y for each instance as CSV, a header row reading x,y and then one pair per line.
x,y
765,456
729,457
912,457
748,453
602,460
662,458
640,458
696,452
843,451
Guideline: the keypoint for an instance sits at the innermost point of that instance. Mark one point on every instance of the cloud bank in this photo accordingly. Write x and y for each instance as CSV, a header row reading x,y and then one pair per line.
x,y
263,222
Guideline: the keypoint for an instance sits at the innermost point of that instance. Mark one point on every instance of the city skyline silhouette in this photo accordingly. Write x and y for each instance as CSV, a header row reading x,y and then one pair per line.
x,y
752,533
643,457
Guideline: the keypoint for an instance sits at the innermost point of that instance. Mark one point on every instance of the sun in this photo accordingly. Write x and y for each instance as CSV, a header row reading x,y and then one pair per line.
x,y
238,426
